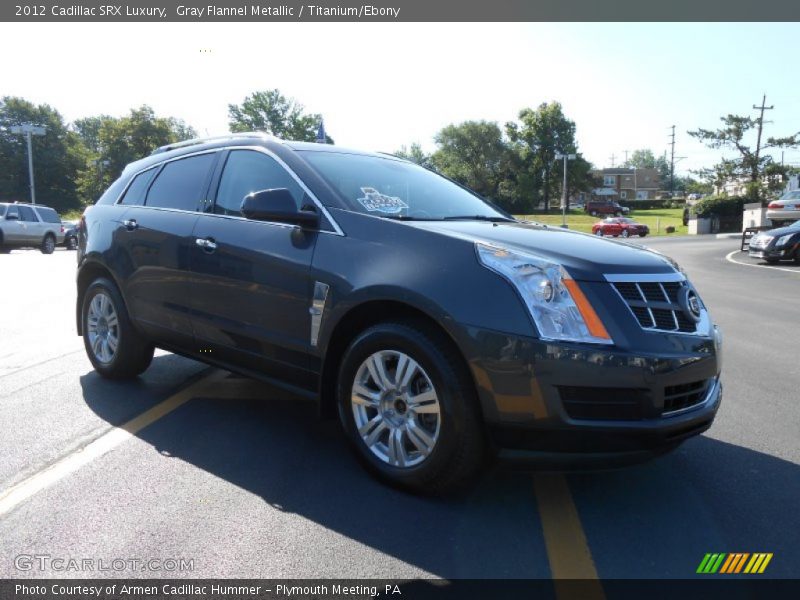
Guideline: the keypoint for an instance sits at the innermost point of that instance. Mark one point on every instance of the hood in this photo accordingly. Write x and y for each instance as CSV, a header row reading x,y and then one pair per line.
x,y
586,257
780,231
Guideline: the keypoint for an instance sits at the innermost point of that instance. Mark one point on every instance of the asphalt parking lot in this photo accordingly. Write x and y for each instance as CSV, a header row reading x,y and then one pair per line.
x,y
192,463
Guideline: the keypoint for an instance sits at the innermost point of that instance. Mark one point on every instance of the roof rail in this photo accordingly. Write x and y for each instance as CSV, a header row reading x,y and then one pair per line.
x,y
203,140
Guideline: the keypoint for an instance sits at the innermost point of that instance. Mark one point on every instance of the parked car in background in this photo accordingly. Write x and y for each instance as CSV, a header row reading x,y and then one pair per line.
x,y
604,207
70,235
29,226
777,244
435,326
620,226
785,209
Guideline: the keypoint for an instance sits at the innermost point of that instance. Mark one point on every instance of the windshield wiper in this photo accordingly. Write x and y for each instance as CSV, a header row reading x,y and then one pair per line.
x,y
479,218
403,218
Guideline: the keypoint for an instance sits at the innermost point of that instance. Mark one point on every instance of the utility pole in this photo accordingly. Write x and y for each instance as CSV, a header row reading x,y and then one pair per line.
x,y
672,165
762,108
613,157
29,130
626,156
564,199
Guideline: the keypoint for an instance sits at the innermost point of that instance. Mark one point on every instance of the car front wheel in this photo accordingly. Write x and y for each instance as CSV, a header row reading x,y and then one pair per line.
x,y
409,407
115,348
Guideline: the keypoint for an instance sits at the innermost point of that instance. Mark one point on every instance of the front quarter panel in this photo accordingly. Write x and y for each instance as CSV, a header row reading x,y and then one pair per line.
x,y
379,259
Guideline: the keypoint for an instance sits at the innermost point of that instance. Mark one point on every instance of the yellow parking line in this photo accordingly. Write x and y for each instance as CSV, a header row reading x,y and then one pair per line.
x,y
567,549
97,448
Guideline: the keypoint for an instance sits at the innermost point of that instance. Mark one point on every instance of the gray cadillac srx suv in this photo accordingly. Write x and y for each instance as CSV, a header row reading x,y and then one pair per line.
x,y
437,327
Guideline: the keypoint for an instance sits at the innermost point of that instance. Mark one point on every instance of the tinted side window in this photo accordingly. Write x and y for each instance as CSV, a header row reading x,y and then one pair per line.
x,y
26,214
48,215
248,171
137,190
2,209
181,183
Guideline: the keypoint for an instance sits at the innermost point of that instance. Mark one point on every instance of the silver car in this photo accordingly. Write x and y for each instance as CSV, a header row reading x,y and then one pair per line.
x,y
29,226
785,209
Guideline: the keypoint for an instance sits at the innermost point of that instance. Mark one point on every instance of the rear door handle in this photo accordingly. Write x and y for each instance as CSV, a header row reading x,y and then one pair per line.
x,y
130,224
207,244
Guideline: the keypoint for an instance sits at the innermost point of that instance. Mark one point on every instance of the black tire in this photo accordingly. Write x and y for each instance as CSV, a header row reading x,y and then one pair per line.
x,y
642,234
133,353
71,243
48,244
458,452
771,261
797,256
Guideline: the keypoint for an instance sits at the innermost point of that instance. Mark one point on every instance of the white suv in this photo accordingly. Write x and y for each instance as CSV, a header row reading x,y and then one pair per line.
x,y
29,225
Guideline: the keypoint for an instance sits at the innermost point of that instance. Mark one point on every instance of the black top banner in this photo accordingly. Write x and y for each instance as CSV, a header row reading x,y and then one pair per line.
x,y
404,10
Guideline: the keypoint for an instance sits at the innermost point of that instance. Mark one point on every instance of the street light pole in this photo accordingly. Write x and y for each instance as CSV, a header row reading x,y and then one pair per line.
x,y
566,157
28,131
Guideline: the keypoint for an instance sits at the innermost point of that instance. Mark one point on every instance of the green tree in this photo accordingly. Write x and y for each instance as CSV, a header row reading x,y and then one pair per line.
x,y
475,154
760,171
415,154
540,135
272,112
58,155
112,143
645,159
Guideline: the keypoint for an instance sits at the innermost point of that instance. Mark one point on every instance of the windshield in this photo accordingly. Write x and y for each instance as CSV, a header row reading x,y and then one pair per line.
x,y
385,187
795,195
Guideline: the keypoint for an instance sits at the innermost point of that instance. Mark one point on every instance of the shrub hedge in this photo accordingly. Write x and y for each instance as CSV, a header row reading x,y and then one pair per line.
x,y
722,206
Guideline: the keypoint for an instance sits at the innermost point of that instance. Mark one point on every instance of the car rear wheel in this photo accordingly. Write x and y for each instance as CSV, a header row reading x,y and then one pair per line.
x,y
409,408
48,244
642,234
114,347
626,233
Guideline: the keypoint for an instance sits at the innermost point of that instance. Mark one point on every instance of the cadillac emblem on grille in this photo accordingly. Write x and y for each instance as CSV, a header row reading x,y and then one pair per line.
x,y
690,303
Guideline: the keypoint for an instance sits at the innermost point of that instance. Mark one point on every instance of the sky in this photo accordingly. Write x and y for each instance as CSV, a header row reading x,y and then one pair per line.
x,y
381,86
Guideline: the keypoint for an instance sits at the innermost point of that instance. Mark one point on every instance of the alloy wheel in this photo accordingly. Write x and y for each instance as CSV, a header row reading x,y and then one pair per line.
x,y
102,326
396,408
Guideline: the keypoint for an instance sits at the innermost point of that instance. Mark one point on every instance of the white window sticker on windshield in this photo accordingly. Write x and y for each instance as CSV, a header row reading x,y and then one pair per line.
x,y
374,201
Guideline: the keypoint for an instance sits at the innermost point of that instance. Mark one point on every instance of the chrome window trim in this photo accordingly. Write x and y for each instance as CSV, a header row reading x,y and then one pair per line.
x,y
337,230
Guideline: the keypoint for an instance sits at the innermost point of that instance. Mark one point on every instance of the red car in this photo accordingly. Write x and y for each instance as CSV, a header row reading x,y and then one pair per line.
x,y
619,226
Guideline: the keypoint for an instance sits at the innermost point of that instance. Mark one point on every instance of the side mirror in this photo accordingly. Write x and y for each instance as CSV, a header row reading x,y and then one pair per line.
x,y
276,205
12,217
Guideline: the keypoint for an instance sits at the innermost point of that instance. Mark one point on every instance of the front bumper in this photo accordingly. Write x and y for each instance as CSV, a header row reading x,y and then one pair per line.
x,y
540,398
771,252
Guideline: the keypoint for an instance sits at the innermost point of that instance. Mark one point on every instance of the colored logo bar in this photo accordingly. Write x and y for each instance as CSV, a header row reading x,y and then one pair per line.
x,y
736,562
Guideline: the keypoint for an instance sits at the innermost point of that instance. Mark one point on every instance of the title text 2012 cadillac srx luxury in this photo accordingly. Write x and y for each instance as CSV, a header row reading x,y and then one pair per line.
x,y
435,325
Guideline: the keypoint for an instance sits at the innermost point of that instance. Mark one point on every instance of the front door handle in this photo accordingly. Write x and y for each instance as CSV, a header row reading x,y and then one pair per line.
x,y
130,224
207,244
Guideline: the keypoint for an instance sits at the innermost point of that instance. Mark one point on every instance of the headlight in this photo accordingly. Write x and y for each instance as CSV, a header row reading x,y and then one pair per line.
x,y
784,239
556,304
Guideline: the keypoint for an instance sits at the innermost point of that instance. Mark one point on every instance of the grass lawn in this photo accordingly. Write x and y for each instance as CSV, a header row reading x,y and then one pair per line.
x,y
581,221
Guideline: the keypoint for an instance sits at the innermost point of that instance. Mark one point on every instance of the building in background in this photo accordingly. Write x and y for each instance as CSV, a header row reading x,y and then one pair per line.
x,y
625,185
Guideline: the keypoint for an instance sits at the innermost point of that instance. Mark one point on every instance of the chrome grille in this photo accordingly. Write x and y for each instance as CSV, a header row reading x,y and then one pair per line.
x,y
655,305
